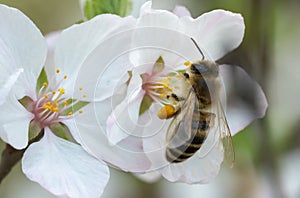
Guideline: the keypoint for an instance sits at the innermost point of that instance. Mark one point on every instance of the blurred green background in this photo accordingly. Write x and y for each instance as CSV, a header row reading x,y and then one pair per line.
x,y
267,152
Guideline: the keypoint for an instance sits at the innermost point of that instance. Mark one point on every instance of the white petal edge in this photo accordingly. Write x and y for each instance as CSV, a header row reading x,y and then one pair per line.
x,y
14,123
217,32
149,177
22,46
64,168
239,113
181,11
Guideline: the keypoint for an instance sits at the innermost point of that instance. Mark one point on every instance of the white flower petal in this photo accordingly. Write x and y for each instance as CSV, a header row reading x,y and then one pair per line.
x,y
22,46
8,82
181,11
150,177
124,117
112,78
52,39
162,29
105,68
14,123
196,169
64,168
217,32
88,36
146,8
240,87
127,154
136,7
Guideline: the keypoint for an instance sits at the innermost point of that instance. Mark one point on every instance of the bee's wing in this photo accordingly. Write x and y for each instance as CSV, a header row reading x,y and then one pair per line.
x,y
180,128
225,135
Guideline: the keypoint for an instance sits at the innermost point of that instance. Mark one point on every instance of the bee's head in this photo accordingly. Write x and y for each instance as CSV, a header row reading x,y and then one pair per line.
x,y
204,68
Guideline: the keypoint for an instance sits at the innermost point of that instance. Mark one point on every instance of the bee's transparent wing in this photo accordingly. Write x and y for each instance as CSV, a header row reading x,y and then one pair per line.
x,y
220,132
180,128
225,135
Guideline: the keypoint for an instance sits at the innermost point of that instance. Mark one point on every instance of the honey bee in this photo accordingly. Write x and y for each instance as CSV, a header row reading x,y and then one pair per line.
x,y
200,113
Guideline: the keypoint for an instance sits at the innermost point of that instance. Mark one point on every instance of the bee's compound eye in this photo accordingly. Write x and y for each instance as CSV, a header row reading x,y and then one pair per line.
x,y
166,112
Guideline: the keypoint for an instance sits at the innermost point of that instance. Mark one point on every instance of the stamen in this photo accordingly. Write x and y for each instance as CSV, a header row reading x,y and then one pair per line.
x,y
61,90
45,84
84,95
70,113
80,88
57,71
65,76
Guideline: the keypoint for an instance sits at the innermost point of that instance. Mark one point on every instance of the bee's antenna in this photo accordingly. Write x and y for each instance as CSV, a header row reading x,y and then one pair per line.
x,y
198,48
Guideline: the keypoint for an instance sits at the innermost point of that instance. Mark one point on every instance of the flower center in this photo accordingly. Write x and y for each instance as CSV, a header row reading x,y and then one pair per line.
x,y
51,105
166,90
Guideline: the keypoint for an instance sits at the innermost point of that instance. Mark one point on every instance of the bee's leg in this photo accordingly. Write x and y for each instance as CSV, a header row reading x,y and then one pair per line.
x,y
177,98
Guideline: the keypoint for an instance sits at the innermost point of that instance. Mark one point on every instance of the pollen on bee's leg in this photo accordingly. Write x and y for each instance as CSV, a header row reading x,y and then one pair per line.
x,y
166,112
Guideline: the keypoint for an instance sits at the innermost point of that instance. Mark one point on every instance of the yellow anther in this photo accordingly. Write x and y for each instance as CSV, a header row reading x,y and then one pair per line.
x,y
57,71
65,102
84,95
65,76
55,109
80,111
55,104
187,63
61,90
80,88
177,87
53,92
161,95
48,103
45,84
45,96
166,112
70,113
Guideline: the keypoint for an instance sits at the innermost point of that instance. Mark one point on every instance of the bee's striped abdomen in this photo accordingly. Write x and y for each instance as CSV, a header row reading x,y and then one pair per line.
x,y
201,124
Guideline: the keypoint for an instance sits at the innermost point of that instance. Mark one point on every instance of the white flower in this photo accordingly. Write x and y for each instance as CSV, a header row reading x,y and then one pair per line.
x,y
31,107
135,91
